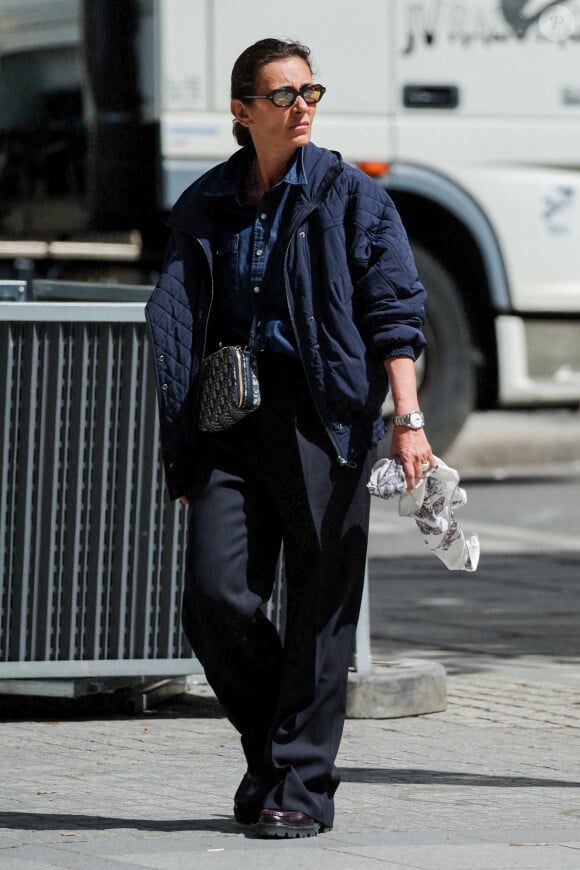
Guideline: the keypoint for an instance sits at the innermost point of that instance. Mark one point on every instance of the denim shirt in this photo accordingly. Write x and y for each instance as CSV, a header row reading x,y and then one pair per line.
x,y
248,266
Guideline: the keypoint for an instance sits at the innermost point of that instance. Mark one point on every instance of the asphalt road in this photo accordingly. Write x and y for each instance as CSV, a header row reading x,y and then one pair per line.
x,y
534,513
521,472
522,604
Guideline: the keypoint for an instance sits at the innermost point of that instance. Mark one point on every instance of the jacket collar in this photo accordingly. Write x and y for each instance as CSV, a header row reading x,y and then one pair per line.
x,y
190,212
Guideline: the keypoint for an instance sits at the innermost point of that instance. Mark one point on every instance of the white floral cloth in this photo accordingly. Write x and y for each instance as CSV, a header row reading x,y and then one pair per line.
x,y
432,504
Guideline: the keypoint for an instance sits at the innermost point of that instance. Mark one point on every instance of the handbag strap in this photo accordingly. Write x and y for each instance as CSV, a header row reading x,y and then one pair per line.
x,y
253,333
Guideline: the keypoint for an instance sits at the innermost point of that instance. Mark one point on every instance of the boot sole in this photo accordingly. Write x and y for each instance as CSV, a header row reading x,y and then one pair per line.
x,y
288,832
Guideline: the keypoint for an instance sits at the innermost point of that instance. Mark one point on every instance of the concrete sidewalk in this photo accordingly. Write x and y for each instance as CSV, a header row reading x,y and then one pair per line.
x,y
501,442
492,783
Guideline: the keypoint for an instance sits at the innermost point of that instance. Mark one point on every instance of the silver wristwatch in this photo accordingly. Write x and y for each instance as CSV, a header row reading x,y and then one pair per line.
x,y
412,419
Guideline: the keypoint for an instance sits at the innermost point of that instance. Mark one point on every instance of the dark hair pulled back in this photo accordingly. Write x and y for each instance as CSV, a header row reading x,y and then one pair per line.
x,y
247,67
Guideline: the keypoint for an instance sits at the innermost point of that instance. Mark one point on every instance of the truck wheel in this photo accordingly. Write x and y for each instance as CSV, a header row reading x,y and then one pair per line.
x,y
445,370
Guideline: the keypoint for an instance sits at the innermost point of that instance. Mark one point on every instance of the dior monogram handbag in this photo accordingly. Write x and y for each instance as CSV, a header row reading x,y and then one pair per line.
x,y
230,389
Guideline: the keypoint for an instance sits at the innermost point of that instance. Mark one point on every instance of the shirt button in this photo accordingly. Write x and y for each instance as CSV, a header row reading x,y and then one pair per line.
x,y
259,252
256,289
263,216
165,387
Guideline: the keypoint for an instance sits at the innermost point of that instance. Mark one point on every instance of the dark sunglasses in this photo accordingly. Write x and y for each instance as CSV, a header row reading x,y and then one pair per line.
x,y
286,97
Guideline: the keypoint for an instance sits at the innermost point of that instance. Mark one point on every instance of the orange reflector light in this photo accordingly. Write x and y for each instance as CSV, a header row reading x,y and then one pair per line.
x,y
374,168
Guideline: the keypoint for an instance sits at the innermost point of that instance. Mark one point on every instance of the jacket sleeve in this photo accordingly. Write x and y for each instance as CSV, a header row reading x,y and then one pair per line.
x,y
388,297
169,323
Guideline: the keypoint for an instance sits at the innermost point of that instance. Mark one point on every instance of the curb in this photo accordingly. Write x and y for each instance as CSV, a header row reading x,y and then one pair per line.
x,y
517,440
392,690
396,689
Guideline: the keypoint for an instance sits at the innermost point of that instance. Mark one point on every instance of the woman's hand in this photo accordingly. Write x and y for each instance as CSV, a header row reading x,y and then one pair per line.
x,y
184,499
410,445
414,451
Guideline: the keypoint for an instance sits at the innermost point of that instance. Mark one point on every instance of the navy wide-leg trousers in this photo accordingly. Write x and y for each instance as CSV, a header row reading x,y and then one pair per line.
x,y
271,479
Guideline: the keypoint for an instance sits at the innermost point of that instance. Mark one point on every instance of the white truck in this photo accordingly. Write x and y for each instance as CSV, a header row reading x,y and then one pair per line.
x,y
466,111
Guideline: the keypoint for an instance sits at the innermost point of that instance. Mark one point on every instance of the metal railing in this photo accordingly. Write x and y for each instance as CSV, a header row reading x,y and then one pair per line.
x,y
90,548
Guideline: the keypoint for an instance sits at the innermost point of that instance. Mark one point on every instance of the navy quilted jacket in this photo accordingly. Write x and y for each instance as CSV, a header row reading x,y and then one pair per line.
x,y
353,295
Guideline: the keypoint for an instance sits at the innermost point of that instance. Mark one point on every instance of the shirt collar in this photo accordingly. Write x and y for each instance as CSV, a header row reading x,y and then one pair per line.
x,y
295,174
230,184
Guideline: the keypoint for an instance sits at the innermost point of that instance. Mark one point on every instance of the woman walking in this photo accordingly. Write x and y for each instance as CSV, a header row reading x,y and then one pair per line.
x,y
287,243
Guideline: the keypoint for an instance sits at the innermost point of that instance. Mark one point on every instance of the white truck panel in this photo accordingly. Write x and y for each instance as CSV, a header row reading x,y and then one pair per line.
x,y
348,42
475,45
537,212
184,56
36,25
201,41
534,209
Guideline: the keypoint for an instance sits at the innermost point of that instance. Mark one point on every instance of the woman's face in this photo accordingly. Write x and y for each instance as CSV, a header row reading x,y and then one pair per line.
x,y
272,128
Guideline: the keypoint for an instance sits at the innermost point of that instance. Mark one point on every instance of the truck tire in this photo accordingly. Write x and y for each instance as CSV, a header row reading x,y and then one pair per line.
x,y
445,370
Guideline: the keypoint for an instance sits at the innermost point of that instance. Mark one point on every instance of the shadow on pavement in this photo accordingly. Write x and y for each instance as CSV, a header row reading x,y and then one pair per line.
x,y
397,776
114,705
72,822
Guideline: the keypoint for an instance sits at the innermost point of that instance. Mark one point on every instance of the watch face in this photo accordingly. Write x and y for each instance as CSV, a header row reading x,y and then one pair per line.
x,y
415,419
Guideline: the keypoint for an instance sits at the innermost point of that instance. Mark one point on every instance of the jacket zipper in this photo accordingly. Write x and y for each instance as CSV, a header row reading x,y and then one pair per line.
x,y
345,463
339,458
206,325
